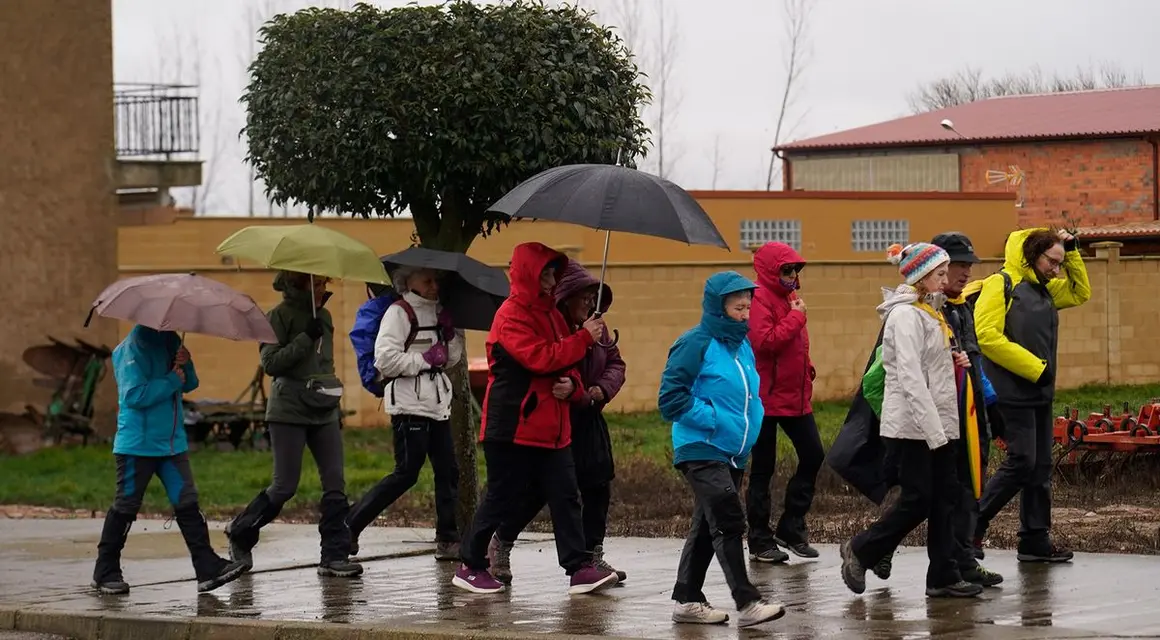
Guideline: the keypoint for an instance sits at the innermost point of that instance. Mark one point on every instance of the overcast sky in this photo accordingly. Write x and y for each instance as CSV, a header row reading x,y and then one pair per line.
x,y
865,57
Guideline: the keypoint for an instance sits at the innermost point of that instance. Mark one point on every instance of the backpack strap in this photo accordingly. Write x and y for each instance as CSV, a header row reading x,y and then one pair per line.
x,y
1007,288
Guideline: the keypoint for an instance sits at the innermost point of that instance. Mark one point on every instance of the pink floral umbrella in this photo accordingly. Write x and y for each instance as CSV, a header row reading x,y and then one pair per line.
x,y
185,303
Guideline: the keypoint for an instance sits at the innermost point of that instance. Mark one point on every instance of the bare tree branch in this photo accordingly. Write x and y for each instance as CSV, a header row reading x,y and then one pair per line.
x,y
668,97
968,85
797,55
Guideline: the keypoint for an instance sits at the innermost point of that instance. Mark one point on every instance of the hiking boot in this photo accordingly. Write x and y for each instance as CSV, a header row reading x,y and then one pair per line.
x,y
590,579
883,568
759,611
698,613
243,530
340,569
770,556
981,576
445,551
1043,553
113,586
476,581
223,573
800,549
977,548
499,558
107,578
853,573
212,570
960,589
598,560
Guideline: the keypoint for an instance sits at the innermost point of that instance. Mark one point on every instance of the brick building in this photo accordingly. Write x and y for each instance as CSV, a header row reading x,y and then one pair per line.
x,y
1085,159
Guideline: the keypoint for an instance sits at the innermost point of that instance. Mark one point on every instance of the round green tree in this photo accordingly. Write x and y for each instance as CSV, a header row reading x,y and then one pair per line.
x,y
435,110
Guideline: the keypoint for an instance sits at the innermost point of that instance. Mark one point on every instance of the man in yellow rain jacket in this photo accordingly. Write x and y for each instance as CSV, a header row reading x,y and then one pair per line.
x,y
1017,324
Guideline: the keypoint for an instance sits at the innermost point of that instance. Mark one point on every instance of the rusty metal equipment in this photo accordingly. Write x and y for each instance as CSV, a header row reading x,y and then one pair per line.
x,y
1106,442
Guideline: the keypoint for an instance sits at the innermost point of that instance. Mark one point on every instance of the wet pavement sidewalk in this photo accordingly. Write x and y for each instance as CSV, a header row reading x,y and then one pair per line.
x,y
45,565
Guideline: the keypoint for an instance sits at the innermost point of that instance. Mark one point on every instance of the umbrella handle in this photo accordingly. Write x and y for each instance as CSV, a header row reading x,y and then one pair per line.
x,y
615,340
89,318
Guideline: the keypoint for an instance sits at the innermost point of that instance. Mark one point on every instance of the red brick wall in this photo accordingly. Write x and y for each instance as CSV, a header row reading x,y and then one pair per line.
x,y
1082,183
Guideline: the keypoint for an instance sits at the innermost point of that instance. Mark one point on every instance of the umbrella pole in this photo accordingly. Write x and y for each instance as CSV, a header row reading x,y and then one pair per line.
x,y
603,268
314,310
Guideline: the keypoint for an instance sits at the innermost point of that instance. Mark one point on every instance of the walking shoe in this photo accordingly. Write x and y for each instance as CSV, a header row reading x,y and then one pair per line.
x,y
476,581
960,589
883,568
499,559
799,549
977,548
445,551
590,579
981,576
238,552
759,611
698,613
771,556
853,573
111,587
1043,553
598,560
228,572
340,569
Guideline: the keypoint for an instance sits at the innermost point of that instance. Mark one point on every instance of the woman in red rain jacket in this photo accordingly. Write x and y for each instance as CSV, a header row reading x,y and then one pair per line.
x,y
526,428
781,344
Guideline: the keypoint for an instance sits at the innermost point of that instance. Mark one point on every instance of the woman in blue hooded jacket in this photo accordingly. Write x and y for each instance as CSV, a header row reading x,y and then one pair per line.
x,y
153,370
710,391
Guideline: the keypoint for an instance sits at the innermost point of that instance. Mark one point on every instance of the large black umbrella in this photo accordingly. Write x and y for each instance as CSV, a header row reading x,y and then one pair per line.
x,y
472,291
612,198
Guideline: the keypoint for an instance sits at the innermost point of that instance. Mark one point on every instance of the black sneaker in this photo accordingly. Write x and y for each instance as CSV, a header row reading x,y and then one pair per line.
x,y
1049,553
111,587
981,576
800,549
853,573
340,569
883,568
770,556
960,589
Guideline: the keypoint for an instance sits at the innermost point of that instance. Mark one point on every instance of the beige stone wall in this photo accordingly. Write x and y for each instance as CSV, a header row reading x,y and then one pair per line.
x,y
1108,340
57,218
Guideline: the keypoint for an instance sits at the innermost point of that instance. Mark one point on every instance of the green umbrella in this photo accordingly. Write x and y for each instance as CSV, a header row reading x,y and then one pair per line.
x,y
307,248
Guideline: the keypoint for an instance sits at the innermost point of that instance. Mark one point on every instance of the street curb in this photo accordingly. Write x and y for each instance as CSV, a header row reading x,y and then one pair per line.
x,y
88,625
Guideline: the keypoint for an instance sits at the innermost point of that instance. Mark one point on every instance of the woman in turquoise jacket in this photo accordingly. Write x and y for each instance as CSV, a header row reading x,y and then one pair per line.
x,y
709,390
153,370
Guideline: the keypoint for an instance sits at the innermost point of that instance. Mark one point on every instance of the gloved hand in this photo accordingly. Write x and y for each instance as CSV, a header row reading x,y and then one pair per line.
x,y
1046,378
446,326
436,356
995,422
314,328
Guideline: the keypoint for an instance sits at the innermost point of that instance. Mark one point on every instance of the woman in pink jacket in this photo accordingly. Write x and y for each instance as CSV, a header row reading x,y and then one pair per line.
x,y
777,331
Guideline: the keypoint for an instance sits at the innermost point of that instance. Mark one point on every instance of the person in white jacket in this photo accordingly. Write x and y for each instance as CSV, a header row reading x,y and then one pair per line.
x,y
919,425
416,343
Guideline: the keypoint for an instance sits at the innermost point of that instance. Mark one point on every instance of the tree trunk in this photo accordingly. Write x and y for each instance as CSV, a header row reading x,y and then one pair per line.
x,y
465,434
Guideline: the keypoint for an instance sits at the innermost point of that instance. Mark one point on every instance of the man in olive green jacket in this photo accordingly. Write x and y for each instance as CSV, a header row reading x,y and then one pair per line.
x,y
302,411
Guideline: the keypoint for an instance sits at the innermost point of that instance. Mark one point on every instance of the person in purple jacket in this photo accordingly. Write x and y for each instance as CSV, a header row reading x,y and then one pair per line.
x,y
603,373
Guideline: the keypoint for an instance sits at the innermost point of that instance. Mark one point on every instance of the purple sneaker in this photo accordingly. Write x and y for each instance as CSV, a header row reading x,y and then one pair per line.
x,y
476,581
590,579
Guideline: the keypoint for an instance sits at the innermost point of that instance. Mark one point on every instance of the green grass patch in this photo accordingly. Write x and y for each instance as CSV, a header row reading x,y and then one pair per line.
x,y
84,477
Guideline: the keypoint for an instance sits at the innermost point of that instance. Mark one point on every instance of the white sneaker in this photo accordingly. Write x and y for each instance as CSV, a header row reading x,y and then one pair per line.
x,y
759,611
698,613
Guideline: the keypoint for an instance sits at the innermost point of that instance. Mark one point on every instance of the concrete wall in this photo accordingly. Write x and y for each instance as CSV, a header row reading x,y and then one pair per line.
x,y
57,217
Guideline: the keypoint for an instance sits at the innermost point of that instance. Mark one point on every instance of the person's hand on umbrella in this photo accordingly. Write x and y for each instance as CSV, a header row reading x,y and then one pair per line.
x,y
314,328
595,394
436,356
563,388
446,325
961,359
182,357
180,374
594,326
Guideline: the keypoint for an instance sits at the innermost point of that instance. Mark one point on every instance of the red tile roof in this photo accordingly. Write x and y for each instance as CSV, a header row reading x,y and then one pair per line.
x,y
1146,229
1080,114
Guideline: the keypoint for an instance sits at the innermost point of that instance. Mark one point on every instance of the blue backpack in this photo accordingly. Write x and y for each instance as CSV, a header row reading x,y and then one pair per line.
x,y
366,330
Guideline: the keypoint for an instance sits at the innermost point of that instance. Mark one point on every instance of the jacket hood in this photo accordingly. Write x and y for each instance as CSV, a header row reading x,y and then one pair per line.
x,y
150,337
906,294
768,261
284,282
574,278
528,260
973,288
713,319
1013,261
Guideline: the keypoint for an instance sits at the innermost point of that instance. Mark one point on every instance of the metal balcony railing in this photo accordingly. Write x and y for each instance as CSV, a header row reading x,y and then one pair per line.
x,y
158,120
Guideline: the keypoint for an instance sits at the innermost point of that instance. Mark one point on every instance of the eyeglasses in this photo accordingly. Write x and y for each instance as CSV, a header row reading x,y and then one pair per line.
x,y
1052,262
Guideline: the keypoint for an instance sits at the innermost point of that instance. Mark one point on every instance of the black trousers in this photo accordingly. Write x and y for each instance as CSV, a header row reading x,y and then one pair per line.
x,y
1026,469
930,491
717,528
512,472
799,491
417,439
594,502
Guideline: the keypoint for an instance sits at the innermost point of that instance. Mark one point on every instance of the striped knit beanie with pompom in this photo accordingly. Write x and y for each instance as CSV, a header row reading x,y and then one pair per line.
x,y
916,260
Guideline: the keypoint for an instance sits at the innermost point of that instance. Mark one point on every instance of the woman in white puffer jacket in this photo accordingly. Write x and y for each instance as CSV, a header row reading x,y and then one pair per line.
x,y
416,343
920,425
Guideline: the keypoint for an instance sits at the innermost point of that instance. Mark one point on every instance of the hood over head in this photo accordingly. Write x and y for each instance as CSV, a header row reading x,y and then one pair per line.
x,y
1013,261
284,281
768,261
719,286
574,278
150,337
528,260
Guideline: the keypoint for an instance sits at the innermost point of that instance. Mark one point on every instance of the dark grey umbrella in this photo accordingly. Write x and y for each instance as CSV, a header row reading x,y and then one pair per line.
x,y
612,198
471,293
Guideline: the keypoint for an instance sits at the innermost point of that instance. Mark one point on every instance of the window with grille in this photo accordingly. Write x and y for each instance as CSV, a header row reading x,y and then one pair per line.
x,y
878,235
755,233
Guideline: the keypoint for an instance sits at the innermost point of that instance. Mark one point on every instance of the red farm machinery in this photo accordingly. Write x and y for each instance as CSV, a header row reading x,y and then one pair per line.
x,y
1105,443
